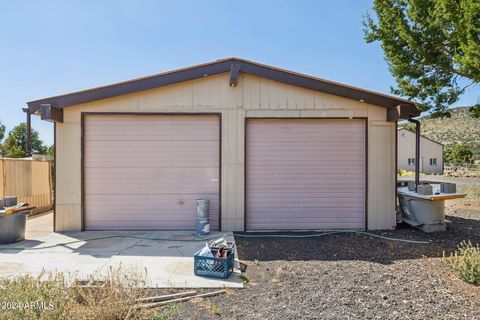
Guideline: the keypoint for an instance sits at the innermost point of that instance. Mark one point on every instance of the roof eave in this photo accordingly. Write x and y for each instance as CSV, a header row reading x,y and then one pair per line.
x,y
127,87
216,67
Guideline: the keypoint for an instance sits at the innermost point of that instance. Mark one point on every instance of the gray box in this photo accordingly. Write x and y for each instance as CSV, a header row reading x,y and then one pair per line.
x,y
446,187
9,201
425,189
411,185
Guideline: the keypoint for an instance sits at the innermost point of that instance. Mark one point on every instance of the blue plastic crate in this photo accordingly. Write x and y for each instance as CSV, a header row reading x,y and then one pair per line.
x,y
213,267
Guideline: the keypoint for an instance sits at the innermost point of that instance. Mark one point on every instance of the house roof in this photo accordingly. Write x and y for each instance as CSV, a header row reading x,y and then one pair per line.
x,y
232,65
399,129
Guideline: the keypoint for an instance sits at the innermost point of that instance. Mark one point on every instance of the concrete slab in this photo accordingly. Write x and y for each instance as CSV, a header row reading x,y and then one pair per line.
x,y
165,258
39,224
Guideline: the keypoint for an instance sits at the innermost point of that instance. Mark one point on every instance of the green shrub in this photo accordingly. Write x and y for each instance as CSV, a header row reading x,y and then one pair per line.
x,y
166,313
465,261
405,173
459,154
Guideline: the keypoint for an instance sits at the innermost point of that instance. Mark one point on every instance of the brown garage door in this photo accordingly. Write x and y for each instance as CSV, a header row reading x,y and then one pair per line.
x,y
305,174
144,172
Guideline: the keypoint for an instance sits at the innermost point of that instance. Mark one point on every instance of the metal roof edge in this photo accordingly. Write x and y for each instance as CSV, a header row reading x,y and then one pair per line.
x,y
216,67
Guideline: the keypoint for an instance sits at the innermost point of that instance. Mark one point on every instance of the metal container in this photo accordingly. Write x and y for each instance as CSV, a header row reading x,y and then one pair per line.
x,y
425,214
202,226
12,227
202,218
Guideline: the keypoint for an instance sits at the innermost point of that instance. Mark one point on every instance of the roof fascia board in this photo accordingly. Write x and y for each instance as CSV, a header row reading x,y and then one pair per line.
x,y
318,85
133,86
234,66
50,113
402,112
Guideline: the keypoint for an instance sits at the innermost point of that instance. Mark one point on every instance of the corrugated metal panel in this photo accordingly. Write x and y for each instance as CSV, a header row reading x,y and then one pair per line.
x,y
305,174
145,172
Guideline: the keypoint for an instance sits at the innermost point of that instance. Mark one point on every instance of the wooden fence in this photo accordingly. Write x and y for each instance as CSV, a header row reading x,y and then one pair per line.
x,y
29,180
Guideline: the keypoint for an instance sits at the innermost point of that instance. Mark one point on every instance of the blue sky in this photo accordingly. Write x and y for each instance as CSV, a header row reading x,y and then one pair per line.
x,y
53,47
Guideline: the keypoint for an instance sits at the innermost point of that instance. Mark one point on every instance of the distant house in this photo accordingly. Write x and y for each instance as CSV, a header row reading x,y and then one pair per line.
x,y
431,153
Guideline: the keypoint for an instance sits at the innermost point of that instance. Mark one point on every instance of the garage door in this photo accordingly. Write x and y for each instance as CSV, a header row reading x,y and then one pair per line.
x,y
305,174
144,172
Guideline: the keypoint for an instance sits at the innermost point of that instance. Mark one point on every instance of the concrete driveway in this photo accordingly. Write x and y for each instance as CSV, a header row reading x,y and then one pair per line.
x,y
39,225
164,258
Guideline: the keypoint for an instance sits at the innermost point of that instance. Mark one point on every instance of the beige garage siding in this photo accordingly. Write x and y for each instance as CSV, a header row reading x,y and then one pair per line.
x,y
305,174
144,172
253,97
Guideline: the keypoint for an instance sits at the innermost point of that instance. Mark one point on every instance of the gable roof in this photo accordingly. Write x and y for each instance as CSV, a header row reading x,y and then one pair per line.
x,y
400,129
233,65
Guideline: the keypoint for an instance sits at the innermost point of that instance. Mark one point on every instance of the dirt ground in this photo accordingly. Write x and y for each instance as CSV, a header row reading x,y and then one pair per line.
x,y
351,277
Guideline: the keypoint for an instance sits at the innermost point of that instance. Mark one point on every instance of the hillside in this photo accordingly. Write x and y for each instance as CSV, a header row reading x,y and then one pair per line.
x,y
461,128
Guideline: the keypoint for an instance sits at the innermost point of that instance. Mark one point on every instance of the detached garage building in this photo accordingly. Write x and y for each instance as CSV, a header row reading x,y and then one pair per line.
x,y
270,148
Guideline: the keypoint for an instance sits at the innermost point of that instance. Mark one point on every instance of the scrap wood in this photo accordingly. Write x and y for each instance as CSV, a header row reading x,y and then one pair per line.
x,y
166,297
15,210
161,303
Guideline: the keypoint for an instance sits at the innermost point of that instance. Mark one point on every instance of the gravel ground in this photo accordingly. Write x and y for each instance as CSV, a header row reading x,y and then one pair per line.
x,y
350,277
